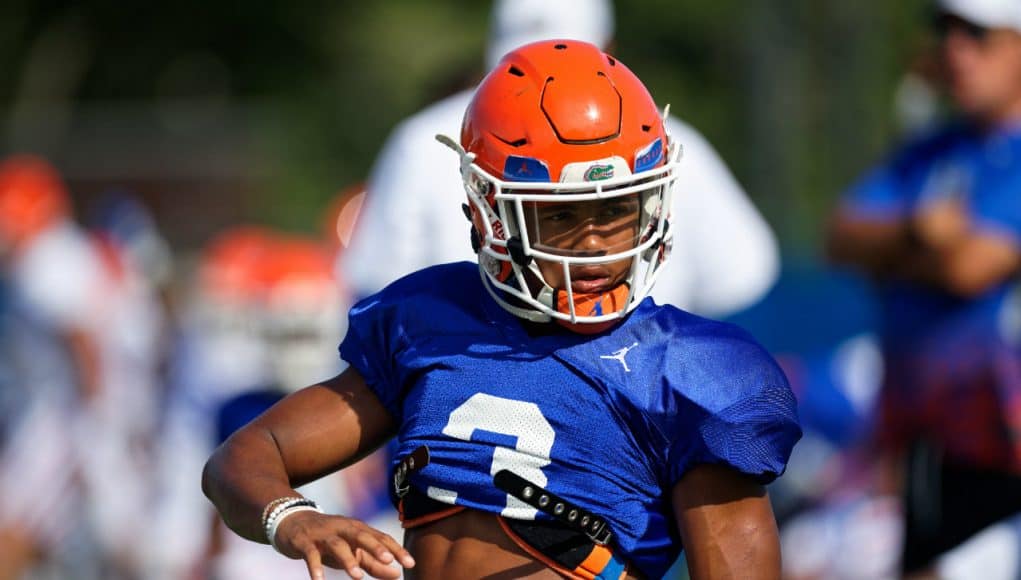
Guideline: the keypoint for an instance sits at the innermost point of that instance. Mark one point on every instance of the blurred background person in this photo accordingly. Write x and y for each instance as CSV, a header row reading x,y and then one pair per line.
x,y
50,359
117,438
126,225
937,228
217,354
725,257
264,317
87,371
297,316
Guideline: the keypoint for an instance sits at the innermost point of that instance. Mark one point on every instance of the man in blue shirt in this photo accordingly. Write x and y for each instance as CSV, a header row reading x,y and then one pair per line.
x,y
551,420
938,227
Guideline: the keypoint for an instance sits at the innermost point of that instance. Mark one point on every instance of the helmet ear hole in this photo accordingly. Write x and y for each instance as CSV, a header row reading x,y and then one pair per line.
x,y
650,253
475,241
474,233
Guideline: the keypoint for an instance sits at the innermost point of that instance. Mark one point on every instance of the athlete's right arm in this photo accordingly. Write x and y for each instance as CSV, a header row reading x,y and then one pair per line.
x,y
309,434
877,246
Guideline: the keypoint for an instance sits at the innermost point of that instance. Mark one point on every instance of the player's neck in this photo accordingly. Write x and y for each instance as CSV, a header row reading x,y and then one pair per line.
x,y
537,329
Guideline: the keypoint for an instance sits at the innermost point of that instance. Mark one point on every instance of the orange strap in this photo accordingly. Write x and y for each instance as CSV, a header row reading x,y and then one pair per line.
x,y
595,562
589,569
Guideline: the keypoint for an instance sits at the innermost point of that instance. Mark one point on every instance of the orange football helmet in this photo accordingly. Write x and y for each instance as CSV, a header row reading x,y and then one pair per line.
x,y
560,131
230,265
32,196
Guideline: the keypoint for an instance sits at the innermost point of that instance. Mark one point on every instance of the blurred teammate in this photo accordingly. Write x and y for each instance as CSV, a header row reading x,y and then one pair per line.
x,y
298,314
303,313
937,227
218,353
86,364
549,420
51,360
127,224
725,256
265,318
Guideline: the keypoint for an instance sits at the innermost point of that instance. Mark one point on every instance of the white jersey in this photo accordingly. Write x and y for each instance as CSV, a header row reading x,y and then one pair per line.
x,y
56,282
37,409
60,277
69,286
725,257
66,284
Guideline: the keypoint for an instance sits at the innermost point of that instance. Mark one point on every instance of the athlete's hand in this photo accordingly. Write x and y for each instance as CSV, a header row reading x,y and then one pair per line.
x,y
339,542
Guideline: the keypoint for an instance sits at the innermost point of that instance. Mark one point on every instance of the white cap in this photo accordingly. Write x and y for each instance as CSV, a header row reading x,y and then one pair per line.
x,y
519,22
987,13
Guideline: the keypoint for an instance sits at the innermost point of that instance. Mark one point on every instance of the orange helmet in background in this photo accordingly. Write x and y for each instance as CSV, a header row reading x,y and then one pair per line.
x,y
298,261
32,197
231,265
224,305
562,122
302,315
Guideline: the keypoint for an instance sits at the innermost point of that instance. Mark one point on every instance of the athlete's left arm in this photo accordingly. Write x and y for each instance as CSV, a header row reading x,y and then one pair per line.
x,y
726,524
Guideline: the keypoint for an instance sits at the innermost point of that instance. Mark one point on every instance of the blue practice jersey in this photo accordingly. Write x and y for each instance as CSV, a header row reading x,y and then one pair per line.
x,y
983,172
610,422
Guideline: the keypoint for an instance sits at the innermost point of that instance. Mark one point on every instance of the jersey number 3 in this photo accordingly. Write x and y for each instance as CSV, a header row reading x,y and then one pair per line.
x,y
518,419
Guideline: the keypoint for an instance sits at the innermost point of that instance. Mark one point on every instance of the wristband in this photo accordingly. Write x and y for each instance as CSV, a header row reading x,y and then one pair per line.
x,y
269,507
269,526
272,530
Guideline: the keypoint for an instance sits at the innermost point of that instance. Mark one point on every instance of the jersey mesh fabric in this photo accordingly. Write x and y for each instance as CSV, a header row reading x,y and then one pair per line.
x,y
609,422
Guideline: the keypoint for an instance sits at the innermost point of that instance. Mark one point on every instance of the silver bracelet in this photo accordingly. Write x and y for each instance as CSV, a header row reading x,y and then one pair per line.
x,y
269,526
269,507
272,533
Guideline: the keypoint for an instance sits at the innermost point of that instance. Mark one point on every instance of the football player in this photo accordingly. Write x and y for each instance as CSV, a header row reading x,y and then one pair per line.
x,y
550,420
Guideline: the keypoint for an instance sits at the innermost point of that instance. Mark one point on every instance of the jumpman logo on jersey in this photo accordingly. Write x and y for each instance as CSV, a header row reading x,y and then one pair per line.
x,y
618,355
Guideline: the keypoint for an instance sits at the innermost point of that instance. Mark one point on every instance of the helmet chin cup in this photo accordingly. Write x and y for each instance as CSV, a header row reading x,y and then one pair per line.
x,y
547,296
